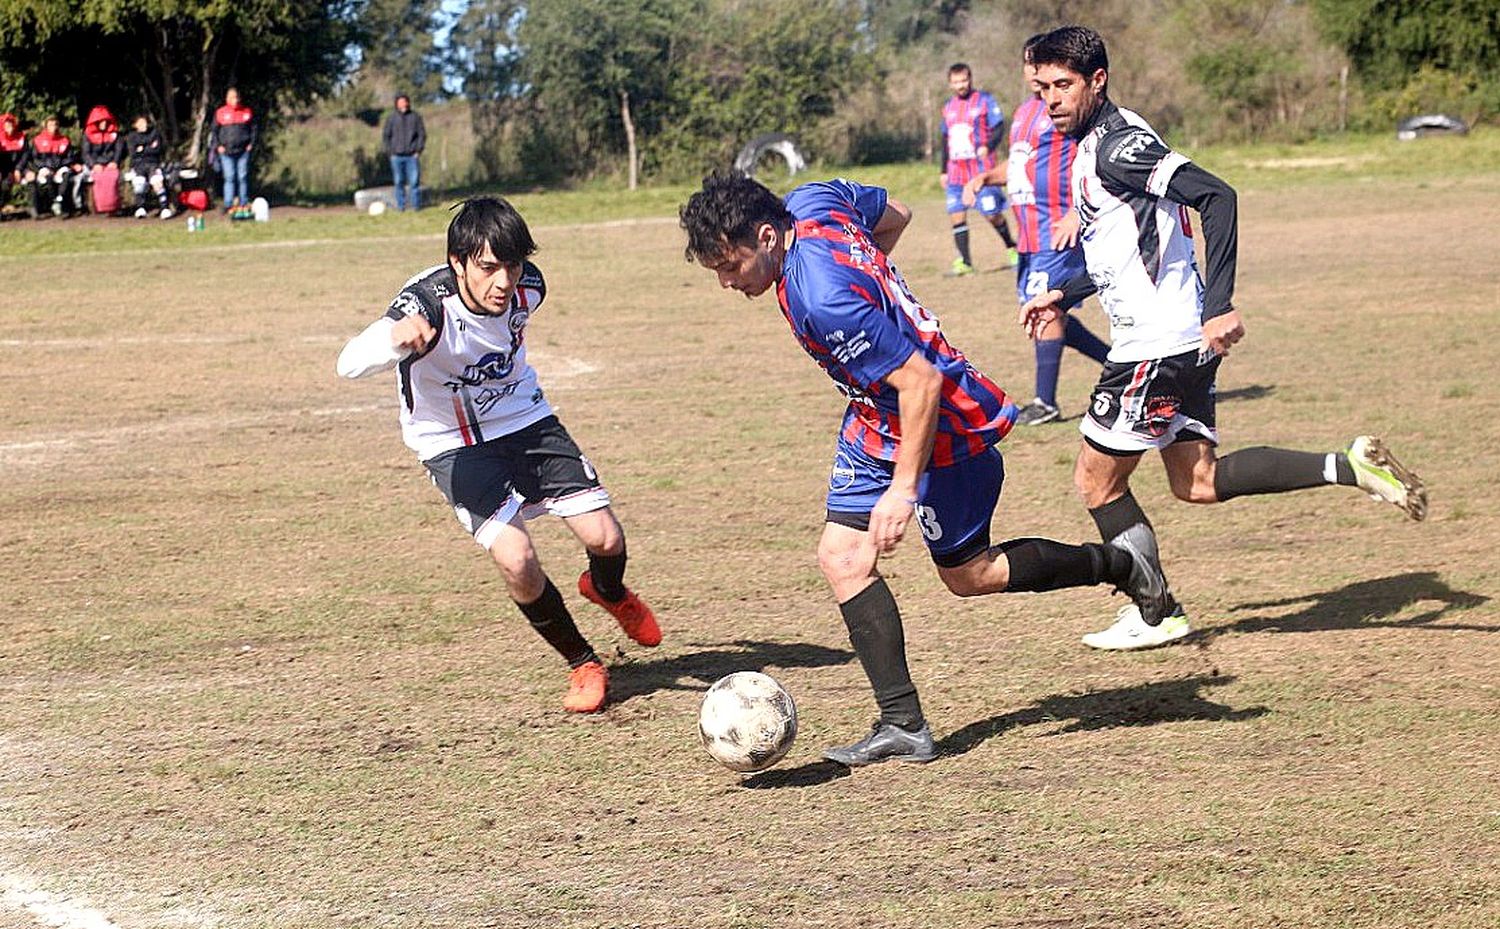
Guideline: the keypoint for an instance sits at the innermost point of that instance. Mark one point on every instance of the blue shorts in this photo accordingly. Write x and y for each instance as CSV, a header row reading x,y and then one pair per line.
x,y
990,200
1040,272
954,503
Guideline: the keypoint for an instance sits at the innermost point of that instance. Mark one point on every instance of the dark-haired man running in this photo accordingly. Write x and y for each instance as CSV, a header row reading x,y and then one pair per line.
x,y
918,439
475,415
1169,328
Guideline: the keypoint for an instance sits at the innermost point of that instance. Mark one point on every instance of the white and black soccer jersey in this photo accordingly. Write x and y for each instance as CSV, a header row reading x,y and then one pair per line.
x,y
473,382
1132,194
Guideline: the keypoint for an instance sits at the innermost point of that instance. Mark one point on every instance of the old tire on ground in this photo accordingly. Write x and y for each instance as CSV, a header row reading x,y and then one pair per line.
x,y
778,143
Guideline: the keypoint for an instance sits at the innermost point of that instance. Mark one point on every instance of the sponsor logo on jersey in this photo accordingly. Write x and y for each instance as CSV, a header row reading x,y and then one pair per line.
x,y
486,399
491,367
847,348
1130,148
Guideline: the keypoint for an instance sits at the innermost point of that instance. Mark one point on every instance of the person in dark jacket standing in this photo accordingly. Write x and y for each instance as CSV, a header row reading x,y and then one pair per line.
x,y
403,139
232,139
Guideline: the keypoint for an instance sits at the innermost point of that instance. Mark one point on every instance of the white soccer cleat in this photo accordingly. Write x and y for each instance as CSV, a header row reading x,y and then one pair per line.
x,y
1130,631
1379,474
166,212
140,212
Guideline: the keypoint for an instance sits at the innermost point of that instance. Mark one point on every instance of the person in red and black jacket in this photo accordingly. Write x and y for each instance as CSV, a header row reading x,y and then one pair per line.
x,y
103,147
12,149
102,144
232,140
146,151
51,165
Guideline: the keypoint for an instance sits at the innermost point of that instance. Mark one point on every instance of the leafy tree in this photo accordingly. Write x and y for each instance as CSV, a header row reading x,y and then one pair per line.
x,y
397,41
174,58
1389,41
592,62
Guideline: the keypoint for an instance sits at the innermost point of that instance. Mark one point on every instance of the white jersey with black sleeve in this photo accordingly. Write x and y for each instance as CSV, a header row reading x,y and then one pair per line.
x,y
1137,241
473,382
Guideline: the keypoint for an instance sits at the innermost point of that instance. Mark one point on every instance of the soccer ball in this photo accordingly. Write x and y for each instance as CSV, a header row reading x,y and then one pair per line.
x,y
376,207
747,721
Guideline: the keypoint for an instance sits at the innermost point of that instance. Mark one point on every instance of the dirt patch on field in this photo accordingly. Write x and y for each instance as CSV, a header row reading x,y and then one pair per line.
x,y
253,674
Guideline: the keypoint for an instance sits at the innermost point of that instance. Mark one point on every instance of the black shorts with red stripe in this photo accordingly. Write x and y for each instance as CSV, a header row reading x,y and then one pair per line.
x,y
1142,405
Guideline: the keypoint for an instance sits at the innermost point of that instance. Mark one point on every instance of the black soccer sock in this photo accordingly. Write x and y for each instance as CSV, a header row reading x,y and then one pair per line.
x,y
608,572
549,616
1116,516
875,631
961,240
1262,470
1042,564
1078,337
1002,228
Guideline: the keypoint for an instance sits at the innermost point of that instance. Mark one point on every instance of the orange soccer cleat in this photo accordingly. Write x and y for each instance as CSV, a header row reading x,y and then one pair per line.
x,y
632,613
586,686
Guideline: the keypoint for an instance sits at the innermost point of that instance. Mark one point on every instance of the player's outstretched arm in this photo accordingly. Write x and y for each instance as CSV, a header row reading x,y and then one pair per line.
x,y
919,388
383,344
891,224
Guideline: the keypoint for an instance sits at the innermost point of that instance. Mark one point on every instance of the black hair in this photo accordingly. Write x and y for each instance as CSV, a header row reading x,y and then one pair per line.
x,y
726,213
489,221
959,67
1029,44
1077,48
400,97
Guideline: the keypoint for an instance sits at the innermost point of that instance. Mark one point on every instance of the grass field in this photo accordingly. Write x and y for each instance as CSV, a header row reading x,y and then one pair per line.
x,y
252,674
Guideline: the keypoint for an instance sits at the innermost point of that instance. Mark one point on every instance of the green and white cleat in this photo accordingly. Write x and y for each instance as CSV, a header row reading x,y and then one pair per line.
x,y
960,268
1131,632
1379,474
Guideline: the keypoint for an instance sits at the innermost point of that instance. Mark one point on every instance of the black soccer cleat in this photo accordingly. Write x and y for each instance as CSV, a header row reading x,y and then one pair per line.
x,y
887,742
1147,586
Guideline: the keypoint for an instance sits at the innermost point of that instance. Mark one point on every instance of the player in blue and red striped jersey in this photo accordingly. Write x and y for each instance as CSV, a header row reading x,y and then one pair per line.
x,y
973,125
1038,177
918,439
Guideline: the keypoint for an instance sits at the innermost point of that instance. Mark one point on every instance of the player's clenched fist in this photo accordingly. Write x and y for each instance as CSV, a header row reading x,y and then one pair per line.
x,y
1223,331
412,333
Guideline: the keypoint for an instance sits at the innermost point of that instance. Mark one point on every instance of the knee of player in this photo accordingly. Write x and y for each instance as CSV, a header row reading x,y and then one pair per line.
x,y
961,584
841,563
517,560
1196,492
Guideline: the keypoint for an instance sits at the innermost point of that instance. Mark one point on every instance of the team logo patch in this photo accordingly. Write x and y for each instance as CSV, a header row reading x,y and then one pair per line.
x,y
843,474
407,303
1157,417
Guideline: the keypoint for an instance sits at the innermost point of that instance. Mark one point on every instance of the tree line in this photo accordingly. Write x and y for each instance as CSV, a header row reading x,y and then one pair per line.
x,y
664,88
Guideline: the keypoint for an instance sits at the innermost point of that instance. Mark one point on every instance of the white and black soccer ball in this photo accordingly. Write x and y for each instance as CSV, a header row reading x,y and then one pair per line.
x,y
748,721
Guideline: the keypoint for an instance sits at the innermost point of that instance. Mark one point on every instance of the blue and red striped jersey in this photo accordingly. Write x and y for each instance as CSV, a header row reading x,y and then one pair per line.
x,y
968,123
852,312
1039,175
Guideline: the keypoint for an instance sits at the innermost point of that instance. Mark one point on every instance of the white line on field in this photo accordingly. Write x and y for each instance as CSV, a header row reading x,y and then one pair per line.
x,y
329,240
18,892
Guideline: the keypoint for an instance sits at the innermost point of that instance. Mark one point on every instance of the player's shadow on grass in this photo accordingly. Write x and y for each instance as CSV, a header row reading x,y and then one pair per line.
x,y
702,668
1137,705
1362,605
1248,392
